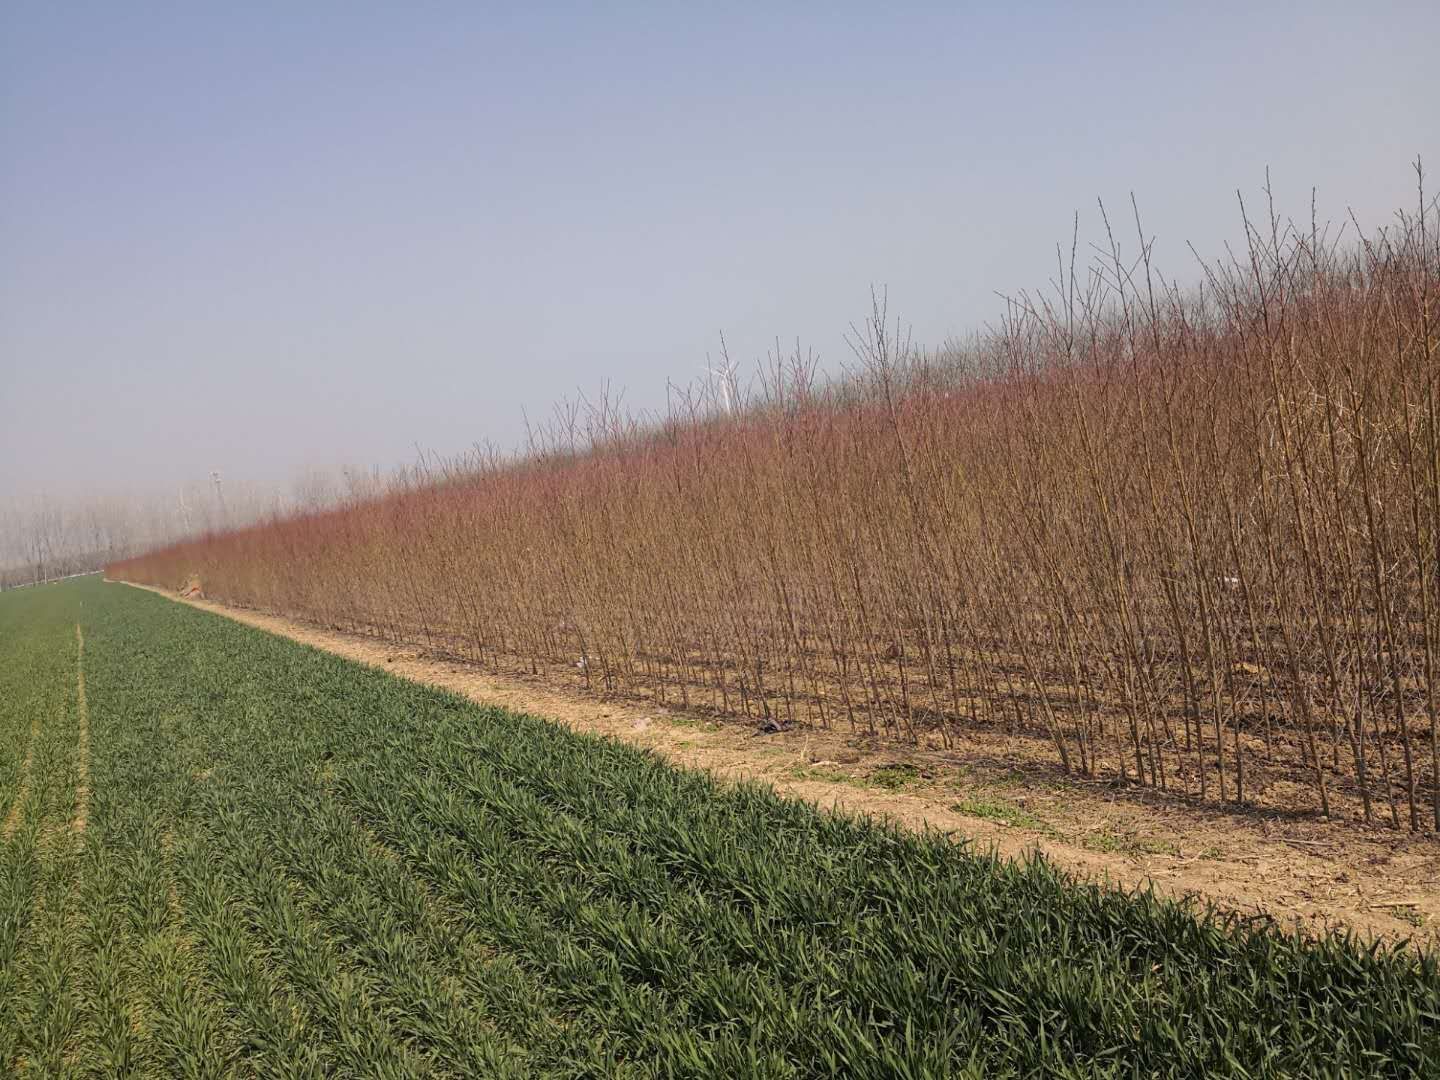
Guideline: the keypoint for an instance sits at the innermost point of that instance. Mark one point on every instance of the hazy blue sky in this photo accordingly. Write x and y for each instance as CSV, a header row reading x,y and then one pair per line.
x,y
257,237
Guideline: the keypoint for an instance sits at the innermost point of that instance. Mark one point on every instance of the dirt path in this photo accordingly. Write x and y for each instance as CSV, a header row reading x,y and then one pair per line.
x,y
1300,871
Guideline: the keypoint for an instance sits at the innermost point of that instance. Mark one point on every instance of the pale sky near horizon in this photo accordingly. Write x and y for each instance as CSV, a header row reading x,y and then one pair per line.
x,y
265,237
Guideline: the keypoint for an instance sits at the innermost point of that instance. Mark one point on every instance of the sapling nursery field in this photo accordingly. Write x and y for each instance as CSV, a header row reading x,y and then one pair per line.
x,y
1185,539
228,854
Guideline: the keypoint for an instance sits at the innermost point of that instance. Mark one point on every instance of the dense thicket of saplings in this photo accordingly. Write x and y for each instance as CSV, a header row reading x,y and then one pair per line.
x,y
295,865
1191,537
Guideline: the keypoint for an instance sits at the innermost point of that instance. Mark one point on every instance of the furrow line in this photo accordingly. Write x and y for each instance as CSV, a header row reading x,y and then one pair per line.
x,y
82,754
22,792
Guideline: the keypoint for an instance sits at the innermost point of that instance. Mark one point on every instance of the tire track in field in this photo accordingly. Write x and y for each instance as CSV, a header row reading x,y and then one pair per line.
x,y
22,792
51,965
82,750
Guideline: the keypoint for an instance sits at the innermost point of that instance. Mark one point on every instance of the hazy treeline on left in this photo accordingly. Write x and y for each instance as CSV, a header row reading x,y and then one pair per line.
x,y
44,537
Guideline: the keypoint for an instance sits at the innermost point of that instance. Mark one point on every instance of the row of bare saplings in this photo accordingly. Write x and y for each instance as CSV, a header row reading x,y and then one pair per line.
x,y
1189,537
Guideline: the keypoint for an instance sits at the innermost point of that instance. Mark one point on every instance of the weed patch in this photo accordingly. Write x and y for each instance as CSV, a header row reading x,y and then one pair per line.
x,y
1001,812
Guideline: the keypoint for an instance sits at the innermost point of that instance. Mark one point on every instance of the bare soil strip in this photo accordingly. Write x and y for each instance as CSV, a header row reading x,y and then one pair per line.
x,y
1302,871
82,754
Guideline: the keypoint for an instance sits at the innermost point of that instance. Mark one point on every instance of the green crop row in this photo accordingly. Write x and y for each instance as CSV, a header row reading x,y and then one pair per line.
x,y
294,865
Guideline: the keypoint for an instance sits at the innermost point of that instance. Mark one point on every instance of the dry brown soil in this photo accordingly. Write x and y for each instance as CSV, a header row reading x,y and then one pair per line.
x,y
1299,870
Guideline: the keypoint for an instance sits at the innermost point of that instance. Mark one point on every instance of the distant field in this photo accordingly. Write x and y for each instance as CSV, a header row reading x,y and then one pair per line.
x,y
227,854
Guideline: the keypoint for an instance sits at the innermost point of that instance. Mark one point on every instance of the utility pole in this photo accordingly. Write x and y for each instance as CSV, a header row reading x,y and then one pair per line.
x,y
726,374
219,496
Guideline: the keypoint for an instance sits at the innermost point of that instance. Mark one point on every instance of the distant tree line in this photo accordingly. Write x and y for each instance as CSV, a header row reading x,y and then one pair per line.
x,y
43,538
